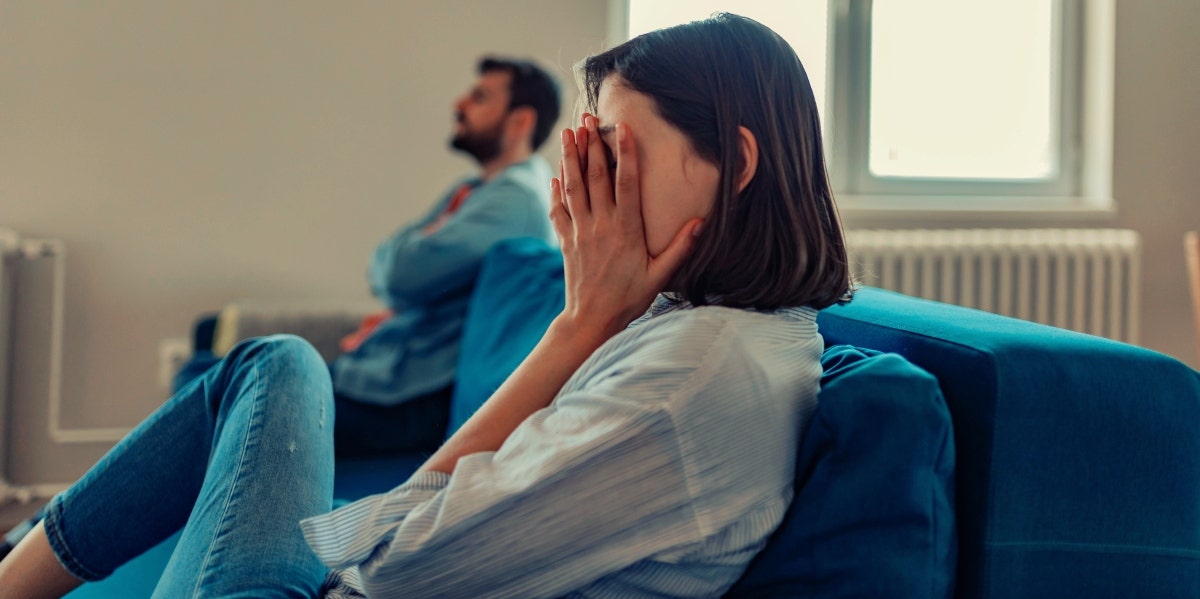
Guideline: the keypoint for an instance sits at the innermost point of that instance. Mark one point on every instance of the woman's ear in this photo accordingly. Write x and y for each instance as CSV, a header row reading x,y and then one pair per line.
x,y
748,149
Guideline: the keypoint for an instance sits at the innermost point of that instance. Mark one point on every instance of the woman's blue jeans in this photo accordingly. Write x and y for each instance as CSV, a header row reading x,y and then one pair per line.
x,y
236,458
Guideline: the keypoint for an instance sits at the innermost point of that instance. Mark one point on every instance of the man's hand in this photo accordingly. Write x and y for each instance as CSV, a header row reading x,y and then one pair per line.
x,y
433,227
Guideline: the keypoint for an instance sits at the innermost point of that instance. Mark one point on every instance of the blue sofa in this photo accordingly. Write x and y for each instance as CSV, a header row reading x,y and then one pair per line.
x,y
955,453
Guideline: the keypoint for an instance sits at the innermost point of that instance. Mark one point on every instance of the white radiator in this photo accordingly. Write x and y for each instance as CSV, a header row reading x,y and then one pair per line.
x,y
16,253
9,253
1087,280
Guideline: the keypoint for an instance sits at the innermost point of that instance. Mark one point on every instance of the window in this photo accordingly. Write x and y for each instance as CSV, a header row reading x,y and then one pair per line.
x,y
950,105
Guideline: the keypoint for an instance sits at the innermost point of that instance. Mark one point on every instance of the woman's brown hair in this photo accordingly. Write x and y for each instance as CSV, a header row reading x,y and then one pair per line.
x,y
778,242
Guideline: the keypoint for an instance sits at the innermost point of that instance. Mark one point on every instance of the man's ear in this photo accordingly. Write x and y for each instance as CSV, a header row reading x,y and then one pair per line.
x,y
521,122
748,151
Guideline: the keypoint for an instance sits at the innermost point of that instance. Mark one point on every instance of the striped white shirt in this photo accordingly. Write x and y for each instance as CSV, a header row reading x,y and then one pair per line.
x,y
659,470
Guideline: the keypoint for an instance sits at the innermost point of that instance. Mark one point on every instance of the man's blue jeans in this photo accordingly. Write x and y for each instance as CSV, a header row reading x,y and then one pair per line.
x,y
237,458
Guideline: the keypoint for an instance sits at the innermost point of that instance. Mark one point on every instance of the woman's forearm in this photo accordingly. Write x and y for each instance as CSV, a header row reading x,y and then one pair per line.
x,y
532,386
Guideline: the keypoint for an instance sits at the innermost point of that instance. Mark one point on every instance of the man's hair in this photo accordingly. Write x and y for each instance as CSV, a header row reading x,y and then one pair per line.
x,y
779,241
531,86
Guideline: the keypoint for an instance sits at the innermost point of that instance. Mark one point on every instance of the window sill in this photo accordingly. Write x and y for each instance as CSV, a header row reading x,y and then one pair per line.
x,y
889,210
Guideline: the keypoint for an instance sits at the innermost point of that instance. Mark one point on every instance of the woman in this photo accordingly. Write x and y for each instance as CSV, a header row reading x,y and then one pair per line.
x,y
645,447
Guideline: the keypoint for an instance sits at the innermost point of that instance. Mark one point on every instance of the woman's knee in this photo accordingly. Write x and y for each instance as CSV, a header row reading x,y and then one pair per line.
x,y
283,361
286,349
290,347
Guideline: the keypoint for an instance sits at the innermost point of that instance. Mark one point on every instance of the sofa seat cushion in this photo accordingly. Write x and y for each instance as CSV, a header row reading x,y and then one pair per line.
x,y
873,514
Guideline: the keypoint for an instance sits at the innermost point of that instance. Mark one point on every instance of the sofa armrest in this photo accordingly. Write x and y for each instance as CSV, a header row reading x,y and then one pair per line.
x,y
1076,455
322,323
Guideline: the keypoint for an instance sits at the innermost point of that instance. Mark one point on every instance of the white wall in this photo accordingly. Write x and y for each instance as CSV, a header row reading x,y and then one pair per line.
x,y
191,153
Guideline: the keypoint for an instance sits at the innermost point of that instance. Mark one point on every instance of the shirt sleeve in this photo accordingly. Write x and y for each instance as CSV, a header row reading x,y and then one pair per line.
x,y
412,268
583,488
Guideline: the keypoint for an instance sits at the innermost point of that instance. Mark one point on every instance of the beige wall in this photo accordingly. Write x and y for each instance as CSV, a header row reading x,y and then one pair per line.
x,y
193,152
190,153
1156,180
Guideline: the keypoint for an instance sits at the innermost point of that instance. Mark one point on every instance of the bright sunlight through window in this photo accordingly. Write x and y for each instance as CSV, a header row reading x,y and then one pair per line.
x,y
962,89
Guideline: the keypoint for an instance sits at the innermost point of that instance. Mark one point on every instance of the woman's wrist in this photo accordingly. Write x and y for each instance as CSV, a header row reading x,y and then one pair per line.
x,y
580,333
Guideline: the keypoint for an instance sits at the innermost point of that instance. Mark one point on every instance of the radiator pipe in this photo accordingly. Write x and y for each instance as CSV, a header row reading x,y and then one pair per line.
x,y
11,494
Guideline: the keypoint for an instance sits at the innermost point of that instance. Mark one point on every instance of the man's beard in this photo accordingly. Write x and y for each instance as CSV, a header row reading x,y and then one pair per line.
x,y
483,146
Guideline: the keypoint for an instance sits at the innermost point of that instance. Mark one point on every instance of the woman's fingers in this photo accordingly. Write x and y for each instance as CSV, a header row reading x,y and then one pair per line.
x,y
663,266
559,217
574,188
581,138
628,197
629,213
562,199
599,183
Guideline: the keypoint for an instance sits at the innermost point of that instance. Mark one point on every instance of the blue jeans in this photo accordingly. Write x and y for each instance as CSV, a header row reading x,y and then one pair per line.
x,y
362,428
236,458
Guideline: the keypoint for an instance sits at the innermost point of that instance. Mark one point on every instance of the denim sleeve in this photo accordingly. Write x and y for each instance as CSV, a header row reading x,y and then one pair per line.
x,y
412,268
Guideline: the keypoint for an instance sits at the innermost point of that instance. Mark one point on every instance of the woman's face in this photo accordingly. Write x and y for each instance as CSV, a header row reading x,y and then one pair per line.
x,y
676,184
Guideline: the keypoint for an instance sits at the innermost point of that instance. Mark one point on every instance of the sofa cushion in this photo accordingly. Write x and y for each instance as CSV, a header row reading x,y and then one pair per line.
x,y
873,514
519,290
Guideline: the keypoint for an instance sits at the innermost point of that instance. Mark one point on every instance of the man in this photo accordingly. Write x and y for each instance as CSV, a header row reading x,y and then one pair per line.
x,y
392,385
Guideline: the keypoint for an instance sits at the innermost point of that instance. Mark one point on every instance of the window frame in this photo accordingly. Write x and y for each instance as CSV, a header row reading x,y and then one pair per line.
x,y
1083,189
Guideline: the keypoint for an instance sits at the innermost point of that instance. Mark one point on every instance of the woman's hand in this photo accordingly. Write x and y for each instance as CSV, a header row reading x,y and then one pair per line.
x,y
611,278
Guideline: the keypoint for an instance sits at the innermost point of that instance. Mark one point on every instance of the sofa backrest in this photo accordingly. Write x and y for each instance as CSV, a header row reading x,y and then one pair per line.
x,y
1077,456
519,290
